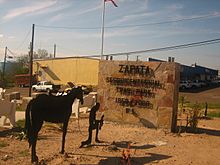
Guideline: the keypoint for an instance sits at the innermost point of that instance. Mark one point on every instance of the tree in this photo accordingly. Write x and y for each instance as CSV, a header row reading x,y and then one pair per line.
x,y
24,60
1,79
42,53
21,65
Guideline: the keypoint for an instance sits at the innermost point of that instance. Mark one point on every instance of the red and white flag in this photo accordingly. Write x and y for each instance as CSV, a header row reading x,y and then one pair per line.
x,y
112,2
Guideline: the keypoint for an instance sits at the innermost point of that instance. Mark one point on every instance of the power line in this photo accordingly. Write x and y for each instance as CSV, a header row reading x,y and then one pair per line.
x,y
12,53
182,46
166,22
21,44
66,27
132,25
174,47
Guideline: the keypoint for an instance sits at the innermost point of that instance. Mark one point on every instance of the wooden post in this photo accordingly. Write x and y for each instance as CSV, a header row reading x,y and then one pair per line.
x,y
31,60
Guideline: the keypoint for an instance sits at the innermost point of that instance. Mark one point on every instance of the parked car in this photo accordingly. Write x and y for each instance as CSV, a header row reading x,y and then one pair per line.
x,y
198,84
216,81
185,84
45,86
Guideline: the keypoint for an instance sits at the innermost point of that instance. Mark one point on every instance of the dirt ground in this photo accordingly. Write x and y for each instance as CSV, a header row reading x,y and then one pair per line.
x,y
201,96
148,146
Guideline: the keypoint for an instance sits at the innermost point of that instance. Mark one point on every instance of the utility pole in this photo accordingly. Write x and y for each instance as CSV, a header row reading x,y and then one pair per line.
x,y
4,65
127,56
31,60
54,51
103,28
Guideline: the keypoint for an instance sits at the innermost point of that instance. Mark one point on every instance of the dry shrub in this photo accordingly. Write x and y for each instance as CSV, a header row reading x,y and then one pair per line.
x,y
194,116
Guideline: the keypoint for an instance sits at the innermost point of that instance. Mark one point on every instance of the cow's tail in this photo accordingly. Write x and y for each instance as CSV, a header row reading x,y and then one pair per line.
x,y
28,123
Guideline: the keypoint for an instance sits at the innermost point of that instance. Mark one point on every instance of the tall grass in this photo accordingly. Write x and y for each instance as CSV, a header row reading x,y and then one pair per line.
x,y
3,144
214,114
186,104
214,106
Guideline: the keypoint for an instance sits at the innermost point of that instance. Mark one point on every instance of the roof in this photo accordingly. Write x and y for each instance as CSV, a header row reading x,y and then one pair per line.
x,y
20,75
189,70
60,58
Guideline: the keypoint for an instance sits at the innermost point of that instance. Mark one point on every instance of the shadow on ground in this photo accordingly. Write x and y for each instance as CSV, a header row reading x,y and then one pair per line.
x,y
124,144
108,160
13,131
199,131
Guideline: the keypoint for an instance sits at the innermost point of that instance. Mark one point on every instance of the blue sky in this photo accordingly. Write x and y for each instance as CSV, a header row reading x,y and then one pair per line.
x,y
17,17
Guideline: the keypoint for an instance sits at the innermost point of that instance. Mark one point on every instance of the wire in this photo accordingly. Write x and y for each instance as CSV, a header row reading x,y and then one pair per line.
x,y
65,27
12,53
166,22
132,25
193,44
28,33
182,46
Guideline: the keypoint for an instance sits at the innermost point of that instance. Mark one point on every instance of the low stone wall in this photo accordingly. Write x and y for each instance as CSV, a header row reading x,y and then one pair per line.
x,y
25,101
12,96
139,92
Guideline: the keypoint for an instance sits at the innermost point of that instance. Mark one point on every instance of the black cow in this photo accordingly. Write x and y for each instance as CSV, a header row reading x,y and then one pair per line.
x,y
55,109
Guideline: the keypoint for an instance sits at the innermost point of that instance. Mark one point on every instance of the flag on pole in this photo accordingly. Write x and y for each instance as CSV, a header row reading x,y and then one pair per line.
x,y
112,2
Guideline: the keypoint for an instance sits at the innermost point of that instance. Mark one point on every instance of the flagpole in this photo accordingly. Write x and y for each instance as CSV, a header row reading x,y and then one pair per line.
x,y
3,71
103,29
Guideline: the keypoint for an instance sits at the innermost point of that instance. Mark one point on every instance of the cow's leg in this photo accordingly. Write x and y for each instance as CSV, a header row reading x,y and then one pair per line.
x,y
90,134
36,128
97,133
65,124
4,120
34,157
12,118
12,115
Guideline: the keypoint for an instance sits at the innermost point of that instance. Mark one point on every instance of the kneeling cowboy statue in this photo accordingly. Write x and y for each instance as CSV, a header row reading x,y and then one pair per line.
x,y
93,124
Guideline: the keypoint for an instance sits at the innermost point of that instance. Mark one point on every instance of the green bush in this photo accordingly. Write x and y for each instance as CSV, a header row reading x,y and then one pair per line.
x,y
20,123
19,108
214,106
214,114
194,115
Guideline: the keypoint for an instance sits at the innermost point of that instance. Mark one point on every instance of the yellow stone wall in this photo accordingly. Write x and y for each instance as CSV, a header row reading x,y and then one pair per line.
x,y
81,71
120,83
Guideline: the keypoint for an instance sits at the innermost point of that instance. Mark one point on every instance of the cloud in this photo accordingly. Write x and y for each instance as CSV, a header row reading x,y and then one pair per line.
x,y
110,33
81,12
7,37
11,37
2,1
124,32
200,16
56,18
142,3
132,17
91,35
88,10
34,7
175,7
145,1
136,10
